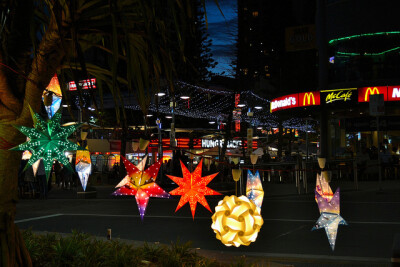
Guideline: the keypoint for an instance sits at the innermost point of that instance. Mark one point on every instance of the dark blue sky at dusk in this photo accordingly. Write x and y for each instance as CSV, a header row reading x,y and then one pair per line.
x,y
223,31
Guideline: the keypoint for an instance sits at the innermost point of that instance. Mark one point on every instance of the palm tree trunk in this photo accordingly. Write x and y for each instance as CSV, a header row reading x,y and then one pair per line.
x,y
13,250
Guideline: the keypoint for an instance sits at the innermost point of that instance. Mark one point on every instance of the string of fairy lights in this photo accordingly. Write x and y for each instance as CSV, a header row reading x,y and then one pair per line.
x,y
214,105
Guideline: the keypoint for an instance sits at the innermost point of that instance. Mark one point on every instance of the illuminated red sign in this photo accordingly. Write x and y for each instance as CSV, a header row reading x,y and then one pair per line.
x,y
237,99
309,99
284,102
365,92
84,84
393,93
183,143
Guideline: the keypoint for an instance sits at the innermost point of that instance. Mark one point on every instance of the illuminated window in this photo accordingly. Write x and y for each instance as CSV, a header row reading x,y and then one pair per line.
x,y
266,67
245,71
268,75
255,13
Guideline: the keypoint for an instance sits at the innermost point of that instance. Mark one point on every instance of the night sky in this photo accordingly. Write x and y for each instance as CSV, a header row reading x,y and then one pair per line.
x,y
223,31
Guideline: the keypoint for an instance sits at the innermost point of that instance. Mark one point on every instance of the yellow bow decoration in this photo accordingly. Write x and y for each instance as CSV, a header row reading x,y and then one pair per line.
x,y
236,221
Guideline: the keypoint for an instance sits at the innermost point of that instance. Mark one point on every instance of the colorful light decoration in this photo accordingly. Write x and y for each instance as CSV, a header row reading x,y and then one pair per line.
x,y
127,179
83,166
254,189
53,91
193,187
330,218
236,221
141,184
48,141
322,187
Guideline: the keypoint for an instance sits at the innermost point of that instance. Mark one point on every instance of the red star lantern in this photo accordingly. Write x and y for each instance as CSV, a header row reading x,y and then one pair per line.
x,y
141,184
193,187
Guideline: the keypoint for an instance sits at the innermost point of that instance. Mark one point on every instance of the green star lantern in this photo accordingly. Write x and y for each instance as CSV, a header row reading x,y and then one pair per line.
x,y
48,141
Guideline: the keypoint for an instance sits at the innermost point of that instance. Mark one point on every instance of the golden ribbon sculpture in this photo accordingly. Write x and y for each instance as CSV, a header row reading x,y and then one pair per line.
x,y
236,221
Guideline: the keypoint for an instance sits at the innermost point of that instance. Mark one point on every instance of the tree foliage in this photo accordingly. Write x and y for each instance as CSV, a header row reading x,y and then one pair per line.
x,y
125,44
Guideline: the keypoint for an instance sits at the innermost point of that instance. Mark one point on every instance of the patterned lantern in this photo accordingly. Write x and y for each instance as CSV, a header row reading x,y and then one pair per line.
x,y
236,221
135,146
143,143
193,187
253,159
330,218
236,173
254,189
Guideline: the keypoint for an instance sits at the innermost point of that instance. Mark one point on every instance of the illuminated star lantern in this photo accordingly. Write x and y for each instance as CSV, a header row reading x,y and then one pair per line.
x,y
236,221
192,187
48,141
254,189
127,179
83,166
141,184
330,218
53,91
323,188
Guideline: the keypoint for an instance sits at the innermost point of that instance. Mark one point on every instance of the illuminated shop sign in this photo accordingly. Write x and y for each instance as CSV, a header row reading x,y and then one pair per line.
x,y
338,95
365,92
284,102
84,84
209,143
309,99
393,93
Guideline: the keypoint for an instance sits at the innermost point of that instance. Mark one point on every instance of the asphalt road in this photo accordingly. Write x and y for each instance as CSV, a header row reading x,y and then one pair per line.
x,y
373,218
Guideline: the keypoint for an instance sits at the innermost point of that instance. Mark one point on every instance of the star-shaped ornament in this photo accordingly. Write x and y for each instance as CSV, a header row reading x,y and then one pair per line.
x,y
193,187
48,140
141,184
254,189
330,218
323,188
83,166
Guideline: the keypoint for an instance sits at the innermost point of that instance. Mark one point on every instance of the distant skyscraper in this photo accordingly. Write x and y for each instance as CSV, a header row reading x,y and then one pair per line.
x,y
265,62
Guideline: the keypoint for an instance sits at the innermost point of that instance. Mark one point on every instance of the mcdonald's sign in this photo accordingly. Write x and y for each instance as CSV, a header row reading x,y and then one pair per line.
x,y
394,93
284,102
309,99
365,92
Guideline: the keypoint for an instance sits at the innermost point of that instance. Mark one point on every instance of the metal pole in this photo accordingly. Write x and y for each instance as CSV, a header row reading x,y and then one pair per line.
x,y
355,174
322,73
379,156
306,141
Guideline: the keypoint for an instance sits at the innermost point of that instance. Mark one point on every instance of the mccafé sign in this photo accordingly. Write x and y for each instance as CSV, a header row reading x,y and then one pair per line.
x,y
339,95
345,95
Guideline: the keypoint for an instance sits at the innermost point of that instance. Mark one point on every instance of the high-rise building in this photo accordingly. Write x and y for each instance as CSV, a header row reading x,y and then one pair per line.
x,y
276,46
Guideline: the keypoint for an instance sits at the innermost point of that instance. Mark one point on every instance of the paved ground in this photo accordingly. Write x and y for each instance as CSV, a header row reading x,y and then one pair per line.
x,y
285,237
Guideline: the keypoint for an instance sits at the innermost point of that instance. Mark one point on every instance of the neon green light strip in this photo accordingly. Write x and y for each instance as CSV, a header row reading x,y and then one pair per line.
x,y
369,54
333,41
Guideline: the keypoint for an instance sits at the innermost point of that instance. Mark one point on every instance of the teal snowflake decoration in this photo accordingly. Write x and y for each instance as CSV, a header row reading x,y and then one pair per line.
x,y
48,141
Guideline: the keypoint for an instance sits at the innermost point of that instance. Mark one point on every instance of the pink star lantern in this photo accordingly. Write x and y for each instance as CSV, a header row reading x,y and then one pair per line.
x,y
323,188
127,179
332,206
193,187
141,184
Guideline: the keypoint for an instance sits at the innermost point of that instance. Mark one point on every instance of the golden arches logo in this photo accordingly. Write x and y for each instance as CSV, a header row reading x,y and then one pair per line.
x,y
308,96
371,91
